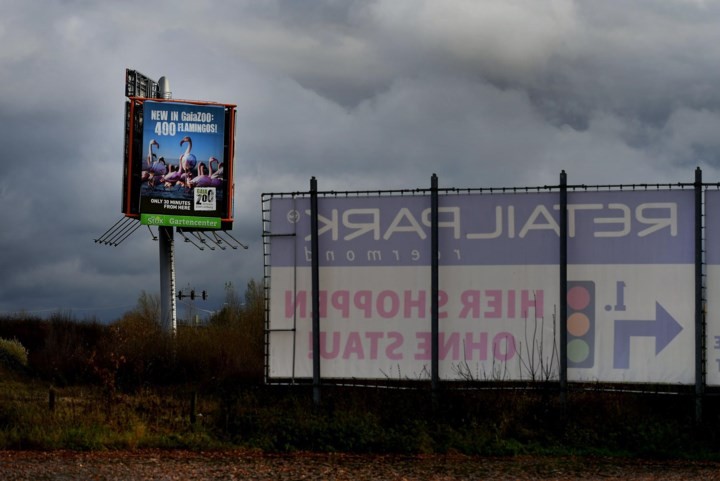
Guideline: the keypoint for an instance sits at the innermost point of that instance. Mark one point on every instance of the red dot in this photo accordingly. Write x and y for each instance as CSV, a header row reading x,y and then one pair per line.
x,y
578,298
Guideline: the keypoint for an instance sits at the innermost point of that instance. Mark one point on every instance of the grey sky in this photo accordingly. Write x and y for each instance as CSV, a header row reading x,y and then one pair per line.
x,y
361,94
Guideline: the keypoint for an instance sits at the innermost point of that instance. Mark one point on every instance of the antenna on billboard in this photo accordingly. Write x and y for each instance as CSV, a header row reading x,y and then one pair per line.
x,y
164,88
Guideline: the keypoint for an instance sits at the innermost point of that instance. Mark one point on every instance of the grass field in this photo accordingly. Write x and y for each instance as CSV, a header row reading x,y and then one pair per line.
x,y
79,385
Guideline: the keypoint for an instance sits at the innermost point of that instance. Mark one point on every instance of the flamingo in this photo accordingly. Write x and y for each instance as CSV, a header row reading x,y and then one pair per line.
x,y
171,177
216,178
187,160
207,180
219,171
151,161
160,167
152,154
157,171
202,180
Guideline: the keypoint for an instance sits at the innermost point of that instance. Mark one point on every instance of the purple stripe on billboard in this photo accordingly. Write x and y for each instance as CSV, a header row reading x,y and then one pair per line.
x,y
631,227
616,227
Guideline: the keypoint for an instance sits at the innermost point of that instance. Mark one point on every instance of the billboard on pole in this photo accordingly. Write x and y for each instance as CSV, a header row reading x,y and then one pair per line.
x,y
499,288
179,163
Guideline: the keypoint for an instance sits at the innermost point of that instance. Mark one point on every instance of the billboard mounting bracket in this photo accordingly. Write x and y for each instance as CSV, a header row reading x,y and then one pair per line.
x,y
119,231
221,238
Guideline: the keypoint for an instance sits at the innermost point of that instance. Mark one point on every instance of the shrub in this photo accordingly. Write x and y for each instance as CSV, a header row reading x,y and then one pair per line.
x,y
13,353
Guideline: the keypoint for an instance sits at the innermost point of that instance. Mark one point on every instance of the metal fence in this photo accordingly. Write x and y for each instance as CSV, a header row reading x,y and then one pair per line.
x,y
562,190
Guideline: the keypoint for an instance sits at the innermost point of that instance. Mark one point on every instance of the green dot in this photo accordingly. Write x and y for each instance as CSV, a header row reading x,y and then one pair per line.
x,y
578,350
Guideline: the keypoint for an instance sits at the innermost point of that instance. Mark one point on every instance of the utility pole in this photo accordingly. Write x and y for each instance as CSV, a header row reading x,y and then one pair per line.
x,y
168,306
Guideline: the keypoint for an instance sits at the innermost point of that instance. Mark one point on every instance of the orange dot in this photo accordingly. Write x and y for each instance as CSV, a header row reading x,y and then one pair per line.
x,y
578,324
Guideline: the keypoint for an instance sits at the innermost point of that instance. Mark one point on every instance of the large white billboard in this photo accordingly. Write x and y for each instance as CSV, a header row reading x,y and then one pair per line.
x,y
630,292
712,260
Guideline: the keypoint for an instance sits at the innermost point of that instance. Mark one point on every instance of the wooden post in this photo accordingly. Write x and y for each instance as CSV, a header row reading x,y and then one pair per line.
x,y
193,407
51,399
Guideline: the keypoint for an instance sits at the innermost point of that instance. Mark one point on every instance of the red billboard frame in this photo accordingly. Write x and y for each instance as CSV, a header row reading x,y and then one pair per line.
x,y
133,154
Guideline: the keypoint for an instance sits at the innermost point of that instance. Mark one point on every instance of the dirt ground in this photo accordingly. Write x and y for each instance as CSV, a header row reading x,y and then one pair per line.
x,y
240,465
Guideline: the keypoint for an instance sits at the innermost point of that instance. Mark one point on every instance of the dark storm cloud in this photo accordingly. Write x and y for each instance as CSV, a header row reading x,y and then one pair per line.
x,y
363,95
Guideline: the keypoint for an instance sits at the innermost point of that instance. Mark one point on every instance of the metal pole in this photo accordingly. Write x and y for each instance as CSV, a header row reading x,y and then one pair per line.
x,y
699,321
314,248
434,285
168,307
563,286
168,310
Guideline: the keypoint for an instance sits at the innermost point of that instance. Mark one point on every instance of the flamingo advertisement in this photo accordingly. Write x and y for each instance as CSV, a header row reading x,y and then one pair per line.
x,y
183,181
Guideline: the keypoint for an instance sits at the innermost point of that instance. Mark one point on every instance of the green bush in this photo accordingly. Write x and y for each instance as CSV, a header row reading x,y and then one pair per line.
x,y
133,386
13,353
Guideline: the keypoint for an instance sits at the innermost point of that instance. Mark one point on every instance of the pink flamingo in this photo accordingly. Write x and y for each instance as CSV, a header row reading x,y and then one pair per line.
x,y
206,180
171,177
187,160
219,171
152,163
202,180
216,178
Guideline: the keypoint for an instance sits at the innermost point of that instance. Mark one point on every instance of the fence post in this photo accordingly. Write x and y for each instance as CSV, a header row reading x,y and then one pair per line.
x,y
193,408
699,317
314,247
434,287
51,399
563,287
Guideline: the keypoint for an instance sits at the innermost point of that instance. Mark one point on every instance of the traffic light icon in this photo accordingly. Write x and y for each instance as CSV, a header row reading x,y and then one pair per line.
x,y
203,295
192,295
581,324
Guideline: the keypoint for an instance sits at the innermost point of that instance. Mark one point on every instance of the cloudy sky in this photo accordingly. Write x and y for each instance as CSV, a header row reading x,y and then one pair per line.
x,y
361,94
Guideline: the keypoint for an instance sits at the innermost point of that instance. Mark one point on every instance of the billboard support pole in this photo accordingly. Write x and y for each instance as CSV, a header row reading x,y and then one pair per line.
x,y
168,308
699,310
563,287
168,311
314,246
434,286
